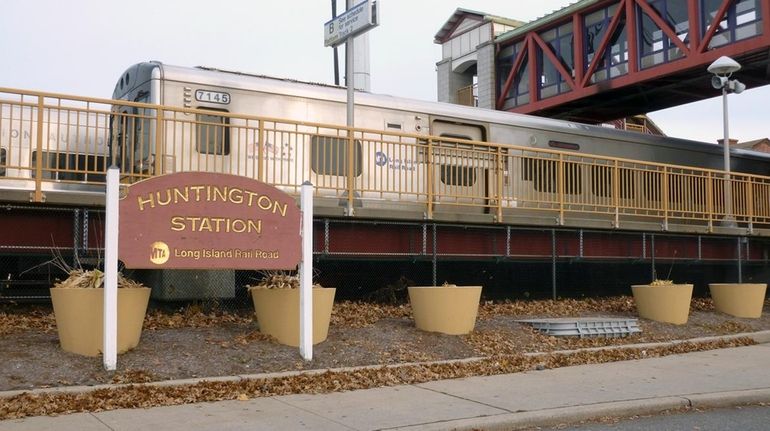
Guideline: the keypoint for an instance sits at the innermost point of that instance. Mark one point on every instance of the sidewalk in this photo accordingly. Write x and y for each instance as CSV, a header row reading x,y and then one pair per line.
x,y
703,379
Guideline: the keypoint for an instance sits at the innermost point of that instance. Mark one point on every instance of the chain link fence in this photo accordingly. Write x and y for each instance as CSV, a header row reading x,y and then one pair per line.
x,y
377,261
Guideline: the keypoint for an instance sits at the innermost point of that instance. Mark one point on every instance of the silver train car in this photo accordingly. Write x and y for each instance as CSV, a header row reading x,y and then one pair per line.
x,y
464,183
235,92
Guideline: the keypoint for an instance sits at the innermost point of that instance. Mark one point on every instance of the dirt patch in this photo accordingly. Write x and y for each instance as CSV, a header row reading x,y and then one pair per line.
x,y
191,343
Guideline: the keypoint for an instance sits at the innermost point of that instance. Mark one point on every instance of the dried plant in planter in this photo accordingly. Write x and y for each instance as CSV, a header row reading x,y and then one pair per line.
x,y
77,277
92,279
78,307
278,280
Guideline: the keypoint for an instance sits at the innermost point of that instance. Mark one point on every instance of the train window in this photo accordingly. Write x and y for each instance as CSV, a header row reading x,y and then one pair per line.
x,y
212,133
573,179
686,190
651,185
329,155
71,166
452,175
602,182
626,185
2,162
541,172
458,130
49,161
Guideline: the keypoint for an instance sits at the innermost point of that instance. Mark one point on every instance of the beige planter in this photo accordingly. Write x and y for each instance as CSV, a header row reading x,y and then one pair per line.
x,y
739,299
449,310
278,313
665,303
80,318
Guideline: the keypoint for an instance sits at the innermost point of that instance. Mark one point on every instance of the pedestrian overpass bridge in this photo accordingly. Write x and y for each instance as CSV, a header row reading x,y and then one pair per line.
x,y
600,60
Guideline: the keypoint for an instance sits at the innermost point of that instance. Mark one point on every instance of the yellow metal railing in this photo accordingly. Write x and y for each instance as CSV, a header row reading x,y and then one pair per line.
x,y
632,127
466,96
49,141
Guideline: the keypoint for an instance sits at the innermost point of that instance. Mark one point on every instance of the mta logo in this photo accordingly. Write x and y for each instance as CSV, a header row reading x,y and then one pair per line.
x,y
380,158
159,253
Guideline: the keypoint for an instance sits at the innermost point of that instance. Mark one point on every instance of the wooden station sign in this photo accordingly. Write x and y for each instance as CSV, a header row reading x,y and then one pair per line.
x,y
198,220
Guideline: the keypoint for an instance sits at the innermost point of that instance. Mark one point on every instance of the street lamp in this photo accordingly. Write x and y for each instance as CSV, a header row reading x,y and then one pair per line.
x,y
722,69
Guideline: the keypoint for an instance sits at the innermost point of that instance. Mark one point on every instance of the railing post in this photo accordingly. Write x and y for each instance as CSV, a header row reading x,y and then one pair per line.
x,y
750,202
160,149
560,188
351,177
38,194
431,182
500,167
616,192
664,197
710,202
260,150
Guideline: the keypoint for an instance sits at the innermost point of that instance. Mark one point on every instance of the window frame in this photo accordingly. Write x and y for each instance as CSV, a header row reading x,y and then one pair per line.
x,y
223,125
335,166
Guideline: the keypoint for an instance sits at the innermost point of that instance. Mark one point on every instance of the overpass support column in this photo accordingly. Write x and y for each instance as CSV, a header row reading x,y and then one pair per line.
x,y
486,75
446,93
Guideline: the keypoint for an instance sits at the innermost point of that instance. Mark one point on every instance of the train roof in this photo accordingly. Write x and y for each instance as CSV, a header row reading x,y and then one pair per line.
x,y
246,81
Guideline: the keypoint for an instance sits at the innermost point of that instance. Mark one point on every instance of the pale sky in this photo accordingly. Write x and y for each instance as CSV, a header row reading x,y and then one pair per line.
x,y
81,47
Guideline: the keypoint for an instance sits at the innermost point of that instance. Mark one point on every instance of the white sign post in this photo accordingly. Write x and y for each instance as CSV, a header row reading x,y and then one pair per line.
x,y
306,274
110,348
356,20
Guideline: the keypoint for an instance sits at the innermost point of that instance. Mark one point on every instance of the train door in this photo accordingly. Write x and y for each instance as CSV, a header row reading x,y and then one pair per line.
x,y
461,169
211,142
330,164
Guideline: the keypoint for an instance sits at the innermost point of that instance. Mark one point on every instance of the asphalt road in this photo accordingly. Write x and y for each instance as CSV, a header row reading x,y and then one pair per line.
x,y
752,418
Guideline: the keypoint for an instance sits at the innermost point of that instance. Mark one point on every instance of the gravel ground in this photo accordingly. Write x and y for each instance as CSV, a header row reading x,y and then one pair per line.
x,y
192,343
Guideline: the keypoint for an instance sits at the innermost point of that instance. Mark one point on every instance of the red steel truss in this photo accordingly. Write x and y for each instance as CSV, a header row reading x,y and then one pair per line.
x,y
674,82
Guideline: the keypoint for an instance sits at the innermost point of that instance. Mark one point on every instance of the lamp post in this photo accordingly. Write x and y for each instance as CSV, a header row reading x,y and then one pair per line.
x,y
722,69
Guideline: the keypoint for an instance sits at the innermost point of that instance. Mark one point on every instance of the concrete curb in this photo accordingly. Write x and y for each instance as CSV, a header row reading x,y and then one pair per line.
x,y
562,415
729,399
760,337
620,409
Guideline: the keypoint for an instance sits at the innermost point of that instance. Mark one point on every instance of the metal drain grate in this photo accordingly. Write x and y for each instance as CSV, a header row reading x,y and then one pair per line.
x,y
585,326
